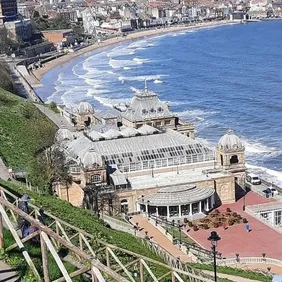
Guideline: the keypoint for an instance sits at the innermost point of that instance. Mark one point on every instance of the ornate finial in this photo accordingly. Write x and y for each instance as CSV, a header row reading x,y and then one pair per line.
x,y
229,131
146,88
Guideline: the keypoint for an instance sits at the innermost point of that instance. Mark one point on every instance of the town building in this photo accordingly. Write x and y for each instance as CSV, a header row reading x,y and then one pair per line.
x,y
8,10
19,30
147,164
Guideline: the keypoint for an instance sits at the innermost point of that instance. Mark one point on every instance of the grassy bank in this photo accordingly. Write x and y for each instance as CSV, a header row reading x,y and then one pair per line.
x,y
83,219
24,130
234,272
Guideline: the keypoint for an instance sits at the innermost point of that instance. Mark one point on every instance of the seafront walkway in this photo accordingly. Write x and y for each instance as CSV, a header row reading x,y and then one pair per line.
x,y
157,237
58,119
236,240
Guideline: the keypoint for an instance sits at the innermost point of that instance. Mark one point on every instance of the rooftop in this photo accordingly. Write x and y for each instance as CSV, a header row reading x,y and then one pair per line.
x,y
178,195
170,178
120,150
146,104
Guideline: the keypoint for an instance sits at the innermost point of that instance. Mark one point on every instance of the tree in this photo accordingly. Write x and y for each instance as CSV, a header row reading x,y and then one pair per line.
x,y
6,81
50,166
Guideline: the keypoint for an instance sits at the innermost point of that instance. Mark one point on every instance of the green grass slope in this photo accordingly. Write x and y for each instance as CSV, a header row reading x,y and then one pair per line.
x,y
24,130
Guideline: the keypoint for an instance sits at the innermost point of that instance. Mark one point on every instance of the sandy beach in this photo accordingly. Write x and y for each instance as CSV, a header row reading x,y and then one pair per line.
x,y
39,73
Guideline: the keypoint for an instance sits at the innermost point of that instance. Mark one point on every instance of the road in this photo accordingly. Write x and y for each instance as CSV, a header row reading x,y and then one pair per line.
x,y
58,119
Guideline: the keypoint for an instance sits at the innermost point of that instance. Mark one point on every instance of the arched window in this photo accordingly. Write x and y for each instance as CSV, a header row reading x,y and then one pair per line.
x,y
95,178
221,160
234,159
124,206
160,109
152,110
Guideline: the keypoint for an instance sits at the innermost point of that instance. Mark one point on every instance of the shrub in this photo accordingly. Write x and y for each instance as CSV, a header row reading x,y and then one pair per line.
x,y
234,214
215,225
228,210
239,216
186,220
245,220
205,226
195,228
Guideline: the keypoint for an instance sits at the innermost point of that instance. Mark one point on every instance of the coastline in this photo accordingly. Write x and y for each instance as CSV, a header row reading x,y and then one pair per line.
x,y
39,73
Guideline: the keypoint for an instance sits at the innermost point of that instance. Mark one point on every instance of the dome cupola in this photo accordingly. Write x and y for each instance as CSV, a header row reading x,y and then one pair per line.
x,y
84,108
230,142
91,159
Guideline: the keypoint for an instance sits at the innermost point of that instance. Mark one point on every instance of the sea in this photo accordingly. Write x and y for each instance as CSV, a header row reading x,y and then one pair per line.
x,y
218,78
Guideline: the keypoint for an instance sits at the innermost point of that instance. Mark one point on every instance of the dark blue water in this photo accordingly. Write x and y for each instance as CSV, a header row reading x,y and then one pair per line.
x,y
229,76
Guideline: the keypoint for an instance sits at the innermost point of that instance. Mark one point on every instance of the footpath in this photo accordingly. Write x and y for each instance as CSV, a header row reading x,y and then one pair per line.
x,y
57,119
160,239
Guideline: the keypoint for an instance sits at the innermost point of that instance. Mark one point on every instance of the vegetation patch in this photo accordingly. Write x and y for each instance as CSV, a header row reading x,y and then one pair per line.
x,y
24,130
235,272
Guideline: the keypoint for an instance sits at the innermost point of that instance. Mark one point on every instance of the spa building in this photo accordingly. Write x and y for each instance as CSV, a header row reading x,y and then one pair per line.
x,y
146,159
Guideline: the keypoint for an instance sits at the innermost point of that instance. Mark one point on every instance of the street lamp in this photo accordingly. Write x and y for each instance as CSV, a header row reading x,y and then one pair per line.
x,y
179,228
213,239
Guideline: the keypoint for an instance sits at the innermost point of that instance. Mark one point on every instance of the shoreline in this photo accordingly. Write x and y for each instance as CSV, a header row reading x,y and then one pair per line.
x,y
39,73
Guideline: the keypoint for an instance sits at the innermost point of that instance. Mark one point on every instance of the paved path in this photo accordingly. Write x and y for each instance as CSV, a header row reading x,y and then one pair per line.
x,y
159,238
7,274
236,240
4,174
58,119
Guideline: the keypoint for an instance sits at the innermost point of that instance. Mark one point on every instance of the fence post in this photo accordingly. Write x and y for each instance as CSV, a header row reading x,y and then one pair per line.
x,y
1,233
141,271
44,259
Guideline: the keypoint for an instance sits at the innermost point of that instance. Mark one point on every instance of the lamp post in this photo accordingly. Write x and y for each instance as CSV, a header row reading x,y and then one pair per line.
x,y
213,239
179,228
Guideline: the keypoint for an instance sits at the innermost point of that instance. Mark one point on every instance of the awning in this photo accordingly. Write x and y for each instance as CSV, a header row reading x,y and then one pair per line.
x,y
118,178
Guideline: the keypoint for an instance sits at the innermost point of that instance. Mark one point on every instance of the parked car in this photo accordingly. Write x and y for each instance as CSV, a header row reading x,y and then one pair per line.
x,y
253,179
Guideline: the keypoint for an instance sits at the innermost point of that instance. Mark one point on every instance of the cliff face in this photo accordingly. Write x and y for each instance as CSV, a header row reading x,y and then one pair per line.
x,y
6,80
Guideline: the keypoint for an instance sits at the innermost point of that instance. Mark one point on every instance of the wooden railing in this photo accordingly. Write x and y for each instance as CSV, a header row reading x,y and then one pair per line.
x,y
97,257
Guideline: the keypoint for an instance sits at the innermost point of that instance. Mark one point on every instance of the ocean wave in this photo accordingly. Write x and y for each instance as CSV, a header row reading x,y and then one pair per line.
x,y
195,113
270,175
127,68
117,64
116,52
258,148
157,81
110,102
141,77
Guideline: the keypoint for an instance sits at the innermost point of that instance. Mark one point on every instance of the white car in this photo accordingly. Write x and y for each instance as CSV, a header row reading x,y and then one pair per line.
x,y
253,179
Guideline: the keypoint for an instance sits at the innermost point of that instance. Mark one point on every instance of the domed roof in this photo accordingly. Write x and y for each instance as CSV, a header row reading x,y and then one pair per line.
x,y
63,134
147,129
95,135
230,142
91,158
84,108
112,134
129,131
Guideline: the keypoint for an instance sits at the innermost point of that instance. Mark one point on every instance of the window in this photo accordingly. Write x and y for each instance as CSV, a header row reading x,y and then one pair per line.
x,y
234,160
278,217
75,169
124,206
95,178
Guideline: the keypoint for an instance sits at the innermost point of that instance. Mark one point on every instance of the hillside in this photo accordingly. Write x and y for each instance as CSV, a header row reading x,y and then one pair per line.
x,y
24,130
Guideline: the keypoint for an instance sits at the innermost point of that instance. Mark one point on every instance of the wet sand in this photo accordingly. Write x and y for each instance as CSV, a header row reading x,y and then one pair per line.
x,y
39,73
